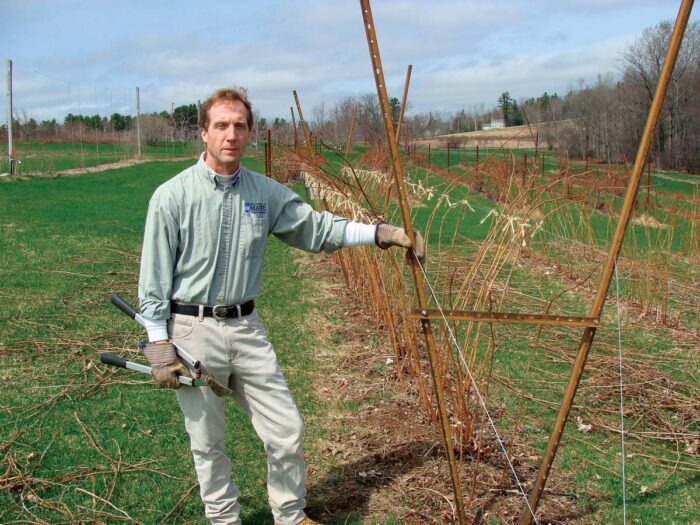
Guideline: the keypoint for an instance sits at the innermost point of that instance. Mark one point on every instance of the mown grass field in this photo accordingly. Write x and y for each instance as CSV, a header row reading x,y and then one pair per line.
x,y
40,157
80,436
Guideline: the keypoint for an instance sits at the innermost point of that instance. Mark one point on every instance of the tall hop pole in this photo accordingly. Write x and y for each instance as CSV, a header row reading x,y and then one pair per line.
x,y
403,103
311,195
348,144
302,123
294,125
138,122
606,278
199,135
415,270
10,144
268,152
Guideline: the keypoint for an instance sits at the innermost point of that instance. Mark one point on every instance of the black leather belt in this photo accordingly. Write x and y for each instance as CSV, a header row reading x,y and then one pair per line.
x,y
220,311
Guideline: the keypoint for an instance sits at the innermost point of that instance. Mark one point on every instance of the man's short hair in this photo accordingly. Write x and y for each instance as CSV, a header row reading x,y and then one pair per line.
x,y
225,95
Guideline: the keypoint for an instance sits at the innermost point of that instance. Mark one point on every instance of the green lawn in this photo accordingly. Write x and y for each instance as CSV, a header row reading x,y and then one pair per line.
x,y
74,436
38,157
72,433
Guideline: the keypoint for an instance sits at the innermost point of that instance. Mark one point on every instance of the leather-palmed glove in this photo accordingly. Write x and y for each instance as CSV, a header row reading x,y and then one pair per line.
x,y
388,235
165,364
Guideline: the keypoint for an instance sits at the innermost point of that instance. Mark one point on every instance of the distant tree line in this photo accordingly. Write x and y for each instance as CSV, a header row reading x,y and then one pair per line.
x,y
180,125
602,121
610,115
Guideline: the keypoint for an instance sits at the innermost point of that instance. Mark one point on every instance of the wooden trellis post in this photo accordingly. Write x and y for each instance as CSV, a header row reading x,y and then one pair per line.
x,y
589,324
302,123
448,156
606,277
403,102
348,144
268,152
415,270
294,125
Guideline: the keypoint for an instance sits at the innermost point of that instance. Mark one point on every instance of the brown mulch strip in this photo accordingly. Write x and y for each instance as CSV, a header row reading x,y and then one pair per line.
x,y
387,460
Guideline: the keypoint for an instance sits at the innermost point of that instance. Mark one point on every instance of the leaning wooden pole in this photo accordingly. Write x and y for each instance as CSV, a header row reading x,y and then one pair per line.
x,y
415,270
302,123
310,195
268,152
294,125
10,135
138,122
606,277
399,124
348,144
403,103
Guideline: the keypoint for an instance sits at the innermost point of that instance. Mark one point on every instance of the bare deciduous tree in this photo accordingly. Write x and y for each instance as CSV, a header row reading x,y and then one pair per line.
x,y
643,62
155,128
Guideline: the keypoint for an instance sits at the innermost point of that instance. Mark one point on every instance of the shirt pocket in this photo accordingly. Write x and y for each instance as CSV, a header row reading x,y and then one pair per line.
x,y
253,237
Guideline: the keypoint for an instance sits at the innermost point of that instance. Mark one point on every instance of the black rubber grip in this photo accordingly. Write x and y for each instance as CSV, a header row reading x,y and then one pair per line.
x,y
123,305
111,359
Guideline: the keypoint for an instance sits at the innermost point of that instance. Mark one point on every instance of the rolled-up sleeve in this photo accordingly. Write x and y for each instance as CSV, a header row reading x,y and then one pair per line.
x,y
300,226
158,254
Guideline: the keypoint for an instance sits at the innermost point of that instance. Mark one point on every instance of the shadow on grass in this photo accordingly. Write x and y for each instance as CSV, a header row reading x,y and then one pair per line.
x,y
343,496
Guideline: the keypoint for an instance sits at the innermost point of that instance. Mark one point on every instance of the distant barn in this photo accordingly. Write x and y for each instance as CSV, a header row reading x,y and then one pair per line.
x,y
496,123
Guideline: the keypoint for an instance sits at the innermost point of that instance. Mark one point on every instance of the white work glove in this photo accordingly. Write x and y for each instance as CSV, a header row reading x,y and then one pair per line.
x,y
165,365
388,235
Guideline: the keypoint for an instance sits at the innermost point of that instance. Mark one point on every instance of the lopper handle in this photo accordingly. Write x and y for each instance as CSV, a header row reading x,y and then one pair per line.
x,y
123,305
111,359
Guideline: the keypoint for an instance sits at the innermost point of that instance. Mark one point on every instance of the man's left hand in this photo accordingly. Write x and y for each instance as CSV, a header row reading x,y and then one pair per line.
x,y
388,235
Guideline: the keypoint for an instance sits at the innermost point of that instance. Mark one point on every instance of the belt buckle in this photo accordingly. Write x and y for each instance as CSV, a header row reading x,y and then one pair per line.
x,y
220,317
215,312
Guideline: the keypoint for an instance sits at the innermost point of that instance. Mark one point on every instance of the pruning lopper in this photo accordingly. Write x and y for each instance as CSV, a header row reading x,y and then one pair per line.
x,y
200,375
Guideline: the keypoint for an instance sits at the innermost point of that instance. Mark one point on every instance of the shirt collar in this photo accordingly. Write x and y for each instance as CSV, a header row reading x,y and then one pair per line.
x,y
212,176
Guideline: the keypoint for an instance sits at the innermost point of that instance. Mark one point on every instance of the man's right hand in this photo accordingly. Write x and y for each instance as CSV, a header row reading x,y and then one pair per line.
x,y
165,365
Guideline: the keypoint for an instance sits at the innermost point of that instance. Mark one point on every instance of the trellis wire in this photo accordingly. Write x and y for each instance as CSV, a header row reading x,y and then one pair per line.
x,y
476,389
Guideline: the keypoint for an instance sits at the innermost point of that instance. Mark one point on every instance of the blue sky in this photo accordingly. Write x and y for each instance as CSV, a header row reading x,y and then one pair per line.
x,y
77,56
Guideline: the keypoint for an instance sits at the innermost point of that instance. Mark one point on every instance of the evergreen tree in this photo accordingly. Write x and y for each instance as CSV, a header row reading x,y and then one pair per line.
x,y
505,104
516,115
186,116
395,108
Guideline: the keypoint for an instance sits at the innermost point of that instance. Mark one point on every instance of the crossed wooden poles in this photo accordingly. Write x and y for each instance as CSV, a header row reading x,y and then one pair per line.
x,y
589,323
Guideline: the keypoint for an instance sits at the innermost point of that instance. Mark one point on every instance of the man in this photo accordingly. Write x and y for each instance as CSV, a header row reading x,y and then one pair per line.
x,y
204,242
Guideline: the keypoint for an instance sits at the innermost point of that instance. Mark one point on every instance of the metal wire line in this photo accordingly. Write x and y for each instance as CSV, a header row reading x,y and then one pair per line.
x,y
476,389
622,400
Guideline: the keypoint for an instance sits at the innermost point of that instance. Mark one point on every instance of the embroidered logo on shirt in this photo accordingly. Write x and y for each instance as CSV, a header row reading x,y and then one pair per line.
x,y
259,208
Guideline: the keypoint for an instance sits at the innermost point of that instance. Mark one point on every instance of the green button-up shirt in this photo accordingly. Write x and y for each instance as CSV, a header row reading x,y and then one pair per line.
x,y
204,241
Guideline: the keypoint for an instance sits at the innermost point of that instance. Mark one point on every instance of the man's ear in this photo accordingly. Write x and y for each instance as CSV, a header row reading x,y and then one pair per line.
x,y
203,133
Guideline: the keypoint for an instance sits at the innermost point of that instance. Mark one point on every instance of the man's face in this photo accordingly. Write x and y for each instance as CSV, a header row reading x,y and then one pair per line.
x,y
226,137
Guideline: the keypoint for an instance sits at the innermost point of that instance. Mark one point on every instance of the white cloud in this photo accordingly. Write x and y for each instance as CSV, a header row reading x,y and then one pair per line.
x,y
80,54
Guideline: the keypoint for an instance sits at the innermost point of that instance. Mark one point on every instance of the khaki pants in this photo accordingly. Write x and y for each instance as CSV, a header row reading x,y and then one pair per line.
x,y
238,353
